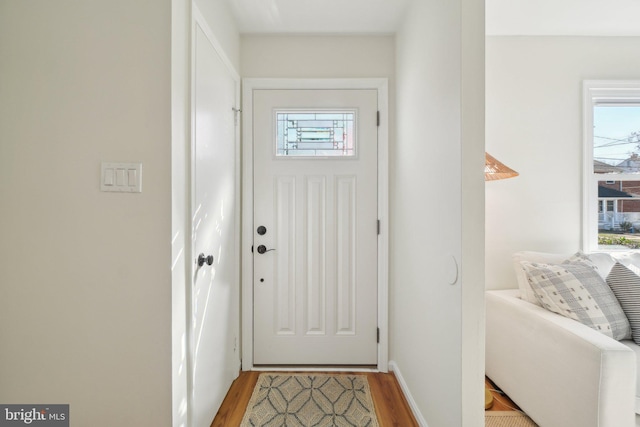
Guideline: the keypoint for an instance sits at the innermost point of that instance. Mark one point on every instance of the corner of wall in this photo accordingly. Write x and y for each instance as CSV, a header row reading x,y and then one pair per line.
x,y
180,131
393,367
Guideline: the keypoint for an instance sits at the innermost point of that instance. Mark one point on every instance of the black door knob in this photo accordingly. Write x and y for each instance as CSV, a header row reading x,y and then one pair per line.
x,y
205,259
262,230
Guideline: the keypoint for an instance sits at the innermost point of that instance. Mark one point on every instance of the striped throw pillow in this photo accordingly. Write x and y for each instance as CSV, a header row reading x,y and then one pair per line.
x,y
625,285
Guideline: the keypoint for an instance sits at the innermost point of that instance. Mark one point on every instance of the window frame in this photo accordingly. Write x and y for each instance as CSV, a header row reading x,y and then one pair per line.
x,y
600,92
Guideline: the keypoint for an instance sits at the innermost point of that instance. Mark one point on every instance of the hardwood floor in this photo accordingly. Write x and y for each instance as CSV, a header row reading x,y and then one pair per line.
x,y
501,402
232,409
392,408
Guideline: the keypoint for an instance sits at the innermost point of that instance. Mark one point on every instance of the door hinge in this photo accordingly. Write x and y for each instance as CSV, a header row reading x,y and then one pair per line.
x,y
378,227
378,336
377,118
236,114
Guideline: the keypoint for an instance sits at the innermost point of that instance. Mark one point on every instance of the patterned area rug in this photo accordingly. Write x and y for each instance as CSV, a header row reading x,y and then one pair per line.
x,y
304,400
507,419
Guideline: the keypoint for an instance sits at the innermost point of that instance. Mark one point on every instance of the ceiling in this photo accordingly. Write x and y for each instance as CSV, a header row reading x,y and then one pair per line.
x,y
318,16
503,17
563,17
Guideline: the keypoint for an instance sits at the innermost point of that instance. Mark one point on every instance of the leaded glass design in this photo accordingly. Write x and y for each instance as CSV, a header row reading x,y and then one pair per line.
x,y
315,134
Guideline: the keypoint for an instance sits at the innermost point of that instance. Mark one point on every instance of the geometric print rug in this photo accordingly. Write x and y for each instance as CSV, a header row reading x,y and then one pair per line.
x,y
305,400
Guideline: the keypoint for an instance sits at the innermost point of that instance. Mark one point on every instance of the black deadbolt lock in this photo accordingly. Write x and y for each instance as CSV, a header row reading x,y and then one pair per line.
x,y
262,230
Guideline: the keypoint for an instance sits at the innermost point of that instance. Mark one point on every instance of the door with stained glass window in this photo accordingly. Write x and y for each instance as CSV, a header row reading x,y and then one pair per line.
x,y
315,227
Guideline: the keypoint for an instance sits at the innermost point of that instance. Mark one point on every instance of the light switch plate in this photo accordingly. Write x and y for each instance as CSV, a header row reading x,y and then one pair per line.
x,y
121,177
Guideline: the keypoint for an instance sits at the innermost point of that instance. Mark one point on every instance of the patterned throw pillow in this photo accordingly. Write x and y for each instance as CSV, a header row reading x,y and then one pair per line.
x,y
578,292
581,257
526,293
625,284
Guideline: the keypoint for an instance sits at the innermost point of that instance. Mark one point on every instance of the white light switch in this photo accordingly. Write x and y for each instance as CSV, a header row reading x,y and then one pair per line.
x,y
121,177
108,177
132,177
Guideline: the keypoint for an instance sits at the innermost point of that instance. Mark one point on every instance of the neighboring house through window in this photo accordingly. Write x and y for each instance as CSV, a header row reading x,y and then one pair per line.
x,y
611,211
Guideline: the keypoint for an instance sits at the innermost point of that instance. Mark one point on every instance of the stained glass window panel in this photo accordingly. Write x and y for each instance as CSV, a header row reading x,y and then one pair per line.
x,y
315,134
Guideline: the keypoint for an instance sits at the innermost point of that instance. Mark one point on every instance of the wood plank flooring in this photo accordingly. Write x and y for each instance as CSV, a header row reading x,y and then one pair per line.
x,y
391,406
501,402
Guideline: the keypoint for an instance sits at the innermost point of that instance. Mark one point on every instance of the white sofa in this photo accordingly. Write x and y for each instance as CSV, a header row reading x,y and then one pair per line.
x,y
559,371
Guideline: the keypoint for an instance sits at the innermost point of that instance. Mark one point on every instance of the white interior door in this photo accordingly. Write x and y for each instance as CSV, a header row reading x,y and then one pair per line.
x,y
215,293
315,227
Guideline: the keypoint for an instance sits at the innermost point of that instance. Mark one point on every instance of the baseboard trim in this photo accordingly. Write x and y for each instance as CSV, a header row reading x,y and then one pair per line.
x,y
393,367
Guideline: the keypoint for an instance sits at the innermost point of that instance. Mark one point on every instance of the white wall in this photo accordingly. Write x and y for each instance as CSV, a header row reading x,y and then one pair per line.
x,y
180,249
534,125
473,211
437,209
317,56
85,306
220,19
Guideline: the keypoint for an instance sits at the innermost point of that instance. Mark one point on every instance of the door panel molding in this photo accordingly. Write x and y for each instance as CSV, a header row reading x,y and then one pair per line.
x,y
345,235
285,275
249,86
315,250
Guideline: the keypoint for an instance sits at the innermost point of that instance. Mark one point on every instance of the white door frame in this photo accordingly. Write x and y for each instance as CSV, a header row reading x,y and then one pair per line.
x,y
248,86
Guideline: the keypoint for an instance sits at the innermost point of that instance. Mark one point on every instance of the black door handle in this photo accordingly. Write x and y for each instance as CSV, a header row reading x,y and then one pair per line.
x,y
263,249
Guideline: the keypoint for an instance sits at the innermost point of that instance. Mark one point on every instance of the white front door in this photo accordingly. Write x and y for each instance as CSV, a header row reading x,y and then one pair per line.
x,y
315,227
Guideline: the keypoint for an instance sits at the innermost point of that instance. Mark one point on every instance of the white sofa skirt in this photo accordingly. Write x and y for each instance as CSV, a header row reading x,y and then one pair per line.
x,y
559,371
636,349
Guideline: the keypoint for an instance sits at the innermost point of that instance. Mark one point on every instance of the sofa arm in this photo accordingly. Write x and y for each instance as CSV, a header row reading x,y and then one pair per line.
x,y
559,371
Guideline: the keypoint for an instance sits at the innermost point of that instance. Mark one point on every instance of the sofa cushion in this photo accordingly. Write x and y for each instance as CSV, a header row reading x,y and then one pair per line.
x,y
604,261
576,290
625,284
627,258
